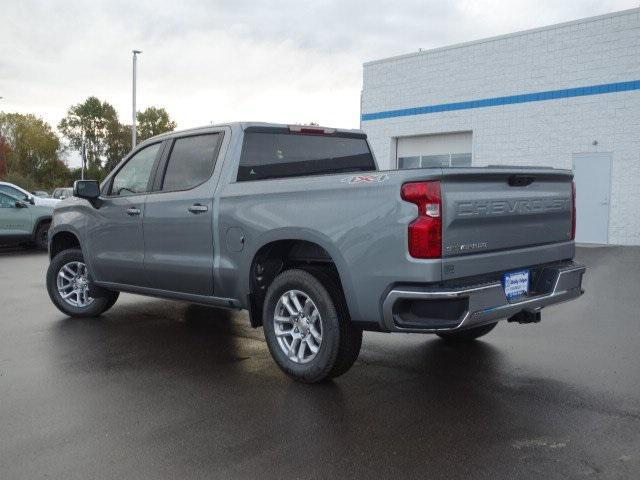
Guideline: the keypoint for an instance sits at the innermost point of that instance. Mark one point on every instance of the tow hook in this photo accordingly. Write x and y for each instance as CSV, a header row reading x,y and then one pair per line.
x,y
526,316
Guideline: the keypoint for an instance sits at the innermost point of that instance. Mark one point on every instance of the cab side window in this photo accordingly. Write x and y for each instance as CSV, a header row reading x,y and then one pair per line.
x,y
133,177
13,192
6,201
191,162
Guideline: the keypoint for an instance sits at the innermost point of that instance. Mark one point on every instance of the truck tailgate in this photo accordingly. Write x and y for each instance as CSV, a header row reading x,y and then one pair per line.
x,y
501,218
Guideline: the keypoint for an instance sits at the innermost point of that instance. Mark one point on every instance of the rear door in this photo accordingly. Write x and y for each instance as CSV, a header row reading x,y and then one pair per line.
x,y
178,219
116,242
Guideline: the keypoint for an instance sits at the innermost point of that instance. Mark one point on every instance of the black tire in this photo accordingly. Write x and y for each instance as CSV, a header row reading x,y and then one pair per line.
x,y
99,305
467,335
341,340
41,239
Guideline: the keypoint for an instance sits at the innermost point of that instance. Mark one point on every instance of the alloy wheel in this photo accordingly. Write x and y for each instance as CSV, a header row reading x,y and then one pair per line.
x,y
298,326
73,285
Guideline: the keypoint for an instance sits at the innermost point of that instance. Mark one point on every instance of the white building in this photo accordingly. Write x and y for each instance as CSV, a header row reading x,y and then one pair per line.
x,y
566,96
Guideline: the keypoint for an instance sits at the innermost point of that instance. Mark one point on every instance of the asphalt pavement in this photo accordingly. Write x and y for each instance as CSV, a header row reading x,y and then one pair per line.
x,y
157,389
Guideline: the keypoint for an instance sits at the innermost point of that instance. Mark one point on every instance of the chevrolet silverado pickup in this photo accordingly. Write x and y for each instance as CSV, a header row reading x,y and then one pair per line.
x,y
297,225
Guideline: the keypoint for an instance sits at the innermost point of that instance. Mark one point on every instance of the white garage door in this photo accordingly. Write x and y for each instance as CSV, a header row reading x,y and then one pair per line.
x,y
439,150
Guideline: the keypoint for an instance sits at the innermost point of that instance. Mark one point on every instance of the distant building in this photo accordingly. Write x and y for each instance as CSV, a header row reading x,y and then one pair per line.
x,y
566,96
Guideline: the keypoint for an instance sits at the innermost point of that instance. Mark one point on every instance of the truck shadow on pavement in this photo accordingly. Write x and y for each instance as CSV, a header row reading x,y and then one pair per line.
x,y
16,250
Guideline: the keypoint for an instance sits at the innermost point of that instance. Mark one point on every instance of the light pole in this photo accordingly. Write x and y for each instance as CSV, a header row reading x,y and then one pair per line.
x,y
133,113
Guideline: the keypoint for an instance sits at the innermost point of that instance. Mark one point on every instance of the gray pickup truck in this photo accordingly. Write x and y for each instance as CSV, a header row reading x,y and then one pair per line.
x,y
297,225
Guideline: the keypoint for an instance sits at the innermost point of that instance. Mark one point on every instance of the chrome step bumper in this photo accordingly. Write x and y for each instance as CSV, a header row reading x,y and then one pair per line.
x,y
428,309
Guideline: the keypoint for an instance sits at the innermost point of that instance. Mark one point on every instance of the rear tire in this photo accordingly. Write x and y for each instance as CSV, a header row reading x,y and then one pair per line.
x,y
340,341
41,239
467,335
67,275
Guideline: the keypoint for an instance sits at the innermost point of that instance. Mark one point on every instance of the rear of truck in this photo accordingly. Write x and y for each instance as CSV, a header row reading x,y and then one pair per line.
x,y
329,246
504,237
416,250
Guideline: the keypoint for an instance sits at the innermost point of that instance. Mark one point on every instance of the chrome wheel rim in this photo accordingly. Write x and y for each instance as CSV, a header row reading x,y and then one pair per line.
x,y
298,326
73,284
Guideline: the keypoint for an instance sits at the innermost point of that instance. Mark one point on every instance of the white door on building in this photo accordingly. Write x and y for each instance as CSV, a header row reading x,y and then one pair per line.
x,y
434,150
592,174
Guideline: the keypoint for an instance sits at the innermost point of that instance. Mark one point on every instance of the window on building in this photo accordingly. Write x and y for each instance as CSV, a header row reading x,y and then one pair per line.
x,y
435,161
440,150
408,162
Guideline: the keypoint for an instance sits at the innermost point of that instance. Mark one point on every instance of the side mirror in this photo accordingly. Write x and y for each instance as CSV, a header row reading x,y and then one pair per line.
x,y
32,200
88,189
20,204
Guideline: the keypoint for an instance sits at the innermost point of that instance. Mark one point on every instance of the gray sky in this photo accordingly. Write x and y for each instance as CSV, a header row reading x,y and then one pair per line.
x,y
206,61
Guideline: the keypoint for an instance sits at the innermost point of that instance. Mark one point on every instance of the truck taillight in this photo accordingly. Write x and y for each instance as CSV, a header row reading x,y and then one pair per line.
x,y
425,232
573,210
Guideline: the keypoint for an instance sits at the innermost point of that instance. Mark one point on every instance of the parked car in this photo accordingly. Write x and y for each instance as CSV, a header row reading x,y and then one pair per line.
x,y
22,194
41,194
297,225
23,222
62,193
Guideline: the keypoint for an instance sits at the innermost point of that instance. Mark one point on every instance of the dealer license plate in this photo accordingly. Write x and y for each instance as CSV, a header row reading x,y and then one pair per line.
x,y
516,284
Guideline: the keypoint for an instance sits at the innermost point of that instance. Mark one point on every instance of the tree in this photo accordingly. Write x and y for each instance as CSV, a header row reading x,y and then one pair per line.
x,y
30,149
153,121
91,123
95,123
5,151
118,144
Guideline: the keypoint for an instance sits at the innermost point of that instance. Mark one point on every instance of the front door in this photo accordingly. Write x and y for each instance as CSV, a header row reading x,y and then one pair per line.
x,y
116,241
15,222
178,219
592,175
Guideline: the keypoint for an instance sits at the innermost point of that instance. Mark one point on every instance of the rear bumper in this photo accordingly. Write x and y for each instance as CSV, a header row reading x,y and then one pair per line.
x,y
428,309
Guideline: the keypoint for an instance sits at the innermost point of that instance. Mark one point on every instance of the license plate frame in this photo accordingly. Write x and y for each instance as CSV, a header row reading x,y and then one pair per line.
x,y
516,284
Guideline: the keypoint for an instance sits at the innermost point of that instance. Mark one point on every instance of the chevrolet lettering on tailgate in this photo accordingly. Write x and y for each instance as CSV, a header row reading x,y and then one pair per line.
x,y
487,208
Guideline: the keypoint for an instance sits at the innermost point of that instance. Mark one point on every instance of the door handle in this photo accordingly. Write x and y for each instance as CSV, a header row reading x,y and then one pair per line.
x,y
197,208
133,211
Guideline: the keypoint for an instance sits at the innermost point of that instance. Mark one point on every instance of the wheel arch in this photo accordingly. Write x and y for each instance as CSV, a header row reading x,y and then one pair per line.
x,y
39,221
274,254
63,240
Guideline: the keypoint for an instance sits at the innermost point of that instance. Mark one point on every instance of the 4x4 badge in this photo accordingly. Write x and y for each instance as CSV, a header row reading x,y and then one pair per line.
x,y
366,178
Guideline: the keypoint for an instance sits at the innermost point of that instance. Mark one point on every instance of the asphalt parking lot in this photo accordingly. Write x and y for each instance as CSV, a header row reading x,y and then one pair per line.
x,y
159,389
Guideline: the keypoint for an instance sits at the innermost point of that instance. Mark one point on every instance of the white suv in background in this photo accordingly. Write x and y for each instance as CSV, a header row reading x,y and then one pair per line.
x,y
22,194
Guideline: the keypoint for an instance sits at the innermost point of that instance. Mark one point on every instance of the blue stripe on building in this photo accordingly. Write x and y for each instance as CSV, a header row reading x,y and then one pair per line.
x,y
508,100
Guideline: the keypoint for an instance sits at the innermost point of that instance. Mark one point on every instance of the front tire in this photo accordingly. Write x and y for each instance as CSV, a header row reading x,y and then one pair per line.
x,y
41,239
67,284
307,326
468,334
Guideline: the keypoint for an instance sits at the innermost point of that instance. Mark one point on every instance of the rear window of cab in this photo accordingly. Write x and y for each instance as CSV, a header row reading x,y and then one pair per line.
x,y
268,155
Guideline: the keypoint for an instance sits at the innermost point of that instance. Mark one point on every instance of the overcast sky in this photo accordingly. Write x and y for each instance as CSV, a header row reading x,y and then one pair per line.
x,y
218,61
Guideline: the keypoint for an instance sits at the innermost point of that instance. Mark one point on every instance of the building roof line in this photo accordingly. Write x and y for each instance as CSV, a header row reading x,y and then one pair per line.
x,y
504,36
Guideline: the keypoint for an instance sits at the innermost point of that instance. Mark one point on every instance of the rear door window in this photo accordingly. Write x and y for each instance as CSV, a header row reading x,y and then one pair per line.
x,y
277,155
191,161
